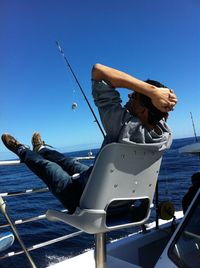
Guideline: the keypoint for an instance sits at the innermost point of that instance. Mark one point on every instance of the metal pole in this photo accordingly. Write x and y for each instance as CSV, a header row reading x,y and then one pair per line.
x,y
100,250
43,244
157,204
80,87
3,209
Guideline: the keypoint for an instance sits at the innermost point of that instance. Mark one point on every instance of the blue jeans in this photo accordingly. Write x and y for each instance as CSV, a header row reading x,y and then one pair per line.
x,y
56,170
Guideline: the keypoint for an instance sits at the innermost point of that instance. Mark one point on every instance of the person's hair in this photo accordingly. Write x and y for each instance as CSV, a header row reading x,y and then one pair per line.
x,y
196,178
154,115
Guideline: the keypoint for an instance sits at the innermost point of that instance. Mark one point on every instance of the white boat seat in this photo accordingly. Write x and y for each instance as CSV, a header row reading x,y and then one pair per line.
x,y
119,192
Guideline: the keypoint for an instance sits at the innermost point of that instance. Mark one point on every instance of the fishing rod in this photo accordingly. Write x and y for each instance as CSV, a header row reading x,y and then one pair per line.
x,y
195,134
80,87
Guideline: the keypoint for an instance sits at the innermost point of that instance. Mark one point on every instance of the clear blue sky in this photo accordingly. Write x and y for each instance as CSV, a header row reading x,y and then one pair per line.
x,y
148,39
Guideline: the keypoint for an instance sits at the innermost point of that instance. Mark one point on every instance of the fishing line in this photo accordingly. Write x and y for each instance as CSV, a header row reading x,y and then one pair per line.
x,y
74,103
80,87
166,183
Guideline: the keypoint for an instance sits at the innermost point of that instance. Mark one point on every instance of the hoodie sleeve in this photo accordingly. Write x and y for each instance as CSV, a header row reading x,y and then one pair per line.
x,y
108,101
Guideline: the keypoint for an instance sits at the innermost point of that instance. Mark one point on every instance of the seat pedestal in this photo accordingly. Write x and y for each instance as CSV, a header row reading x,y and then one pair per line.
x,y
100,250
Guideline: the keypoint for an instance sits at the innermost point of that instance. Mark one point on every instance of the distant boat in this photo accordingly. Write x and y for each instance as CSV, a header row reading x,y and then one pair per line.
x,y
193,148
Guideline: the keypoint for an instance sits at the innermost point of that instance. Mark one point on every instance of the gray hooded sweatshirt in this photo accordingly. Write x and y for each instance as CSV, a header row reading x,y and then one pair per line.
x,y
121,126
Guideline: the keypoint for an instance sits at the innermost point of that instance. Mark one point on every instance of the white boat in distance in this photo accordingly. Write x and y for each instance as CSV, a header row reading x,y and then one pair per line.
x,y
193,148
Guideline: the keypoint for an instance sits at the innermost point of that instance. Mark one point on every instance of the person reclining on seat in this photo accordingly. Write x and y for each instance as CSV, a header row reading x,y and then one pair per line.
x,y
141,120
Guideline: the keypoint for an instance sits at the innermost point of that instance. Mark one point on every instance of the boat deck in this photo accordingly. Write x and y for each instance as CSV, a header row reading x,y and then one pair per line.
x,y
137,250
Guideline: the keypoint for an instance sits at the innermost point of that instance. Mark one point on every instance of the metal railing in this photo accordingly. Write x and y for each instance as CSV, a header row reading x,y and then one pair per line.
x,y
25,250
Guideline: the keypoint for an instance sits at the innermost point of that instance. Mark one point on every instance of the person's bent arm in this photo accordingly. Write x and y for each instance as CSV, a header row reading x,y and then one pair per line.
x,y
164,99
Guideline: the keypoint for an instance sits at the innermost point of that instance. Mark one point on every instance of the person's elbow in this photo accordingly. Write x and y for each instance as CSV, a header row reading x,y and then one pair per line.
x,y
97,73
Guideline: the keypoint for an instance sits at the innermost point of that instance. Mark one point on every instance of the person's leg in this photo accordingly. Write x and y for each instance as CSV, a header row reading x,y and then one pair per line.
x,y
69,164
51,173
59,182
66,189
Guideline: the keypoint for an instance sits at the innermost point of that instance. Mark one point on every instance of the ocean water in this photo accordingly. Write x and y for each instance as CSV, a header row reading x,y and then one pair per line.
x,y
174,181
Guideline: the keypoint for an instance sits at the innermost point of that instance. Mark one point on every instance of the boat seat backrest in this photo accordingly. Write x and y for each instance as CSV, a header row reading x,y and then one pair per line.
x,y
120,189
121,171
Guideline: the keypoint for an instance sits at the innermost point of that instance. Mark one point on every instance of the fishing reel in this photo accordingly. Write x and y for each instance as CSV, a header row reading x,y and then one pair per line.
x,y
166,210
